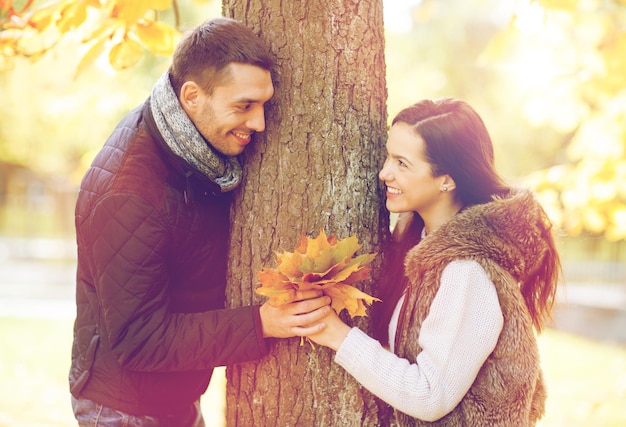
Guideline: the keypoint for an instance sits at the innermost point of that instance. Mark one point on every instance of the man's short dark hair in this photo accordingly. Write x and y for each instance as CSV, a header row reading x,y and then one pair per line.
x,y
204,53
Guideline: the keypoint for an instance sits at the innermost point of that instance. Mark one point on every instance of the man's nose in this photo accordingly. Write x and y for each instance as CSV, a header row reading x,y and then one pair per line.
x,y
257,120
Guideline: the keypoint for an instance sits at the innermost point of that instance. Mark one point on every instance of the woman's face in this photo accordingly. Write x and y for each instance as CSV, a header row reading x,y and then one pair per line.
x,y
407,174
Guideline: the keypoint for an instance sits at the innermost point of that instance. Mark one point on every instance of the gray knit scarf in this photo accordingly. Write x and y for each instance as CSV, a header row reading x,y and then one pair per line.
x,y
181,135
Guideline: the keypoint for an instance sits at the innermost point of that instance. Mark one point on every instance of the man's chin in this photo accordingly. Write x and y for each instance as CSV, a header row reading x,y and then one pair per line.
x,y
238,151
230,150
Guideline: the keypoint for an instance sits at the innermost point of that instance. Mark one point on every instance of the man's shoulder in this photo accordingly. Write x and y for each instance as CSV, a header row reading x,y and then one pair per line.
x,y
129,162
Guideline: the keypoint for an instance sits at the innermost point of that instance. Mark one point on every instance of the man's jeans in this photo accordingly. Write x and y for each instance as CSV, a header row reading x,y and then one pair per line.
x,y
92,414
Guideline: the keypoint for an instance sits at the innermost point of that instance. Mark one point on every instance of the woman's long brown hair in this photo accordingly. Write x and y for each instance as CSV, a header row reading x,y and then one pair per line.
x,y
456,143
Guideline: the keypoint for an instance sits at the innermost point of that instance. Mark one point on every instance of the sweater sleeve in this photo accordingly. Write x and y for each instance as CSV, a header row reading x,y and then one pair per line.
x,y
457,336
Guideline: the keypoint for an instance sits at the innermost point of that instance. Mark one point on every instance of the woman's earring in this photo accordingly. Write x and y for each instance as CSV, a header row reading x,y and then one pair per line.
x,y
445,188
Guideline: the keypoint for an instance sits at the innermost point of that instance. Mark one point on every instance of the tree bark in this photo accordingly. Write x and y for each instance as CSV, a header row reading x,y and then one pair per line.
x,y
315,167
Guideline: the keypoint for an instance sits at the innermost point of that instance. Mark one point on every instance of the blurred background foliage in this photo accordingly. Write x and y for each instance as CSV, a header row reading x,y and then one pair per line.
x,y
548,77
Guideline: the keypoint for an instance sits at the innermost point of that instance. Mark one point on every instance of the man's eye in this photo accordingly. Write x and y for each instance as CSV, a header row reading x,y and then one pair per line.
x,y
244,107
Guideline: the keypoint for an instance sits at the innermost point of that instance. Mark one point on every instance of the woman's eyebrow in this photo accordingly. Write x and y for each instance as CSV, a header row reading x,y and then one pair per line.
x,y
400,157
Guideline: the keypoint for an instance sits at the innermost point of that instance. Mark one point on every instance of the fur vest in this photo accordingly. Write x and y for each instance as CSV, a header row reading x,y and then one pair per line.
x,y
506,237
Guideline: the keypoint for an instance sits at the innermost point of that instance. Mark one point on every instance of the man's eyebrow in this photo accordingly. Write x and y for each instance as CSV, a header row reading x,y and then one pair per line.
x,y
245,101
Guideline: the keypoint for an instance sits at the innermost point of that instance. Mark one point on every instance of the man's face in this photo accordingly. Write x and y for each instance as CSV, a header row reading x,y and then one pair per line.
x,y
235,110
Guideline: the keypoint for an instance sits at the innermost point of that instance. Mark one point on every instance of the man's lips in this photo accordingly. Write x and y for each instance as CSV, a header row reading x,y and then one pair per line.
x,y
243,138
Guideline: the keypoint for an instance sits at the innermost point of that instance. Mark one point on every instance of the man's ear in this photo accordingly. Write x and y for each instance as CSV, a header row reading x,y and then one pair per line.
x,y
189,96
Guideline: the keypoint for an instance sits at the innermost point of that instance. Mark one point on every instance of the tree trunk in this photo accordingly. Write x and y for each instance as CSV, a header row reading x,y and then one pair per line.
x,y
315,167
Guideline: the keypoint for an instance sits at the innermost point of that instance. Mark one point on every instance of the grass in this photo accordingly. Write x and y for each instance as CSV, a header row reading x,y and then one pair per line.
x,y
586,379
34,364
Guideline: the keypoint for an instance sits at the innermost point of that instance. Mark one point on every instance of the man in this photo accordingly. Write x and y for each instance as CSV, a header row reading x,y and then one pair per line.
x,y
152,222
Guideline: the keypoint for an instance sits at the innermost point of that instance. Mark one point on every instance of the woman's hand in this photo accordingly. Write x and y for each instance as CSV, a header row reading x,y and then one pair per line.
x,y
333,334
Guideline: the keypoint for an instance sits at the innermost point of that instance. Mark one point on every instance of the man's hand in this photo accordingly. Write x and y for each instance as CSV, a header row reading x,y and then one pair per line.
x,y
299,318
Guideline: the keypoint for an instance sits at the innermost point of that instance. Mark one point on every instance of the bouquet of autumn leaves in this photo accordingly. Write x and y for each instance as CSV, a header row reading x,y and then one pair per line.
x,y
324,263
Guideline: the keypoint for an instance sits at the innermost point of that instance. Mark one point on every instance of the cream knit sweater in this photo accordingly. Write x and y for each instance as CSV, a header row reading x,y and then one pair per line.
x,y
461,330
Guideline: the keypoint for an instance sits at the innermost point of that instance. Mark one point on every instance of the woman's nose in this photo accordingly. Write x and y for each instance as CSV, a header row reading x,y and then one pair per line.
x,y
385,174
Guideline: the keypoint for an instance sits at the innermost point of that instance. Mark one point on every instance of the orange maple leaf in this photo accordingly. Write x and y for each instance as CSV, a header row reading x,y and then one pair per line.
x,y
324,263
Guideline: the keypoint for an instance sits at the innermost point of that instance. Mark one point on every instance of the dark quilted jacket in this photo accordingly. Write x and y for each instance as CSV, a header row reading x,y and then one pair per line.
x,y
152,239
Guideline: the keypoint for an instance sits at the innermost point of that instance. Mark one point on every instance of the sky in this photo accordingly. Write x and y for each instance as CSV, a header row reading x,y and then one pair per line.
x,y
397,11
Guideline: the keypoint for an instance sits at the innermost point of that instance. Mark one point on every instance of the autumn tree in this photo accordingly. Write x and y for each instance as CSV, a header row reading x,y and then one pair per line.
x,y
575,52
314,168
565,58
120,29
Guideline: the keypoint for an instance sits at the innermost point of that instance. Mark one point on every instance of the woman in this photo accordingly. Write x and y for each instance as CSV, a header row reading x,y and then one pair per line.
x,y
478,272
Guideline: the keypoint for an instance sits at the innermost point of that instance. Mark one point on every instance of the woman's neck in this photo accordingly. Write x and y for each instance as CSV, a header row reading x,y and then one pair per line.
x,y
438,217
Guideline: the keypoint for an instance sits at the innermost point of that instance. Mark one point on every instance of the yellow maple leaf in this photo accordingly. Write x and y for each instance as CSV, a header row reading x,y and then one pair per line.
x,y
324,263
157,36
277,287
125,54
72,16
350,298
